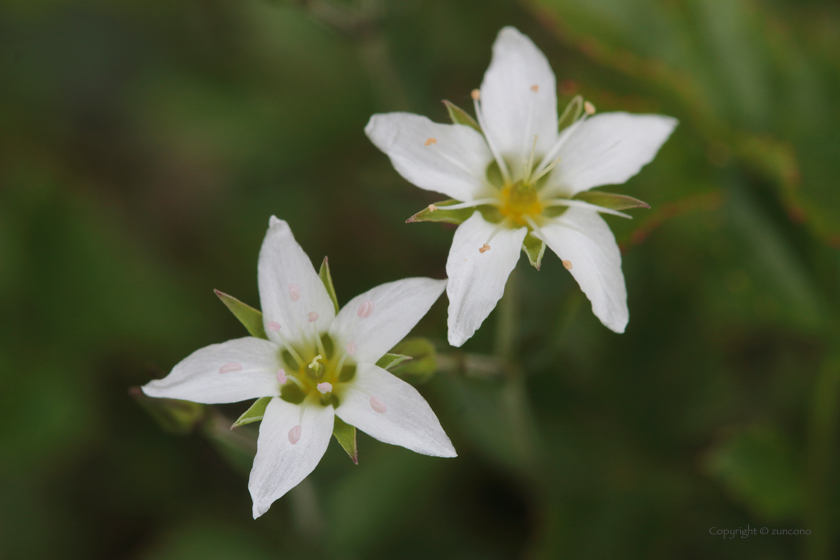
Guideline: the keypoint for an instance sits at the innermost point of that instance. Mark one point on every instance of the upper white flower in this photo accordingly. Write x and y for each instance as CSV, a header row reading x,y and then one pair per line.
x,y
315,365
522,173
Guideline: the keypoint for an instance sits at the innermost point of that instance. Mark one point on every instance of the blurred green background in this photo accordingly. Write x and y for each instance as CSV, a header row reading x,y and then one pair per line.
x,y
144,145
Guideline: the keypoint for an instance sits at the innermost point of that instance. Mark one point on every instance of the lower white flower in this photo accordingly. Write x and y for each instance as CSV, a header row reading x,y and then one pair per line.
x,y
316,365
526,180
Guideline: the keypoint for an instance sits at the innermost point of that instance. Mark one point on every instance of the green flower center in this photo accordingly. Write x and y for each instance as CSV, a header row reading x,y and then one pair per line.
x,y
317,374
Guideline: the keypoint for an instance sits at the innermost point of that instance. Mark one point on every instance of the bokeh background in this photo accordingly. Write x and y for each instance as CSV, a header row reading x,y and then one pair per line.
x,y
144,145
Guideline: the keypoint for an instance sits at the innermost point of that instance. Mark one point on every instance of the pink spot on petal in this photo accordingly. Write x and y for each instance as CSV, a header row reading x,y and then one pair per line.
x,y
365,310
313,316
377,405
281,376
324,388
294,435
229,367
273,326
351,348
294,292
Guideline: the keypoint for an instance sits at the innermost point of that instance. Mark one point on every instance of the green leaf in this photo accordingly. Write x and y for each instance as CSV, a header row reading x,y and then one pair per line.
x,y
611,200
459,116
172,415
254,414
324,273
391,360
535,249
572,113
345,434
423,362
247,315
437,212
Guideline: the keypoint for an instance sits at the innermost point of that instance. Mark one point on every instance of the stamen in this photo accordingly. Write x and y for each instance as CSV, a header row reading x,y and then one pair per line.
x,y
535,88
378,406
229,367
588,205
351,348
430,141
365,310
313,316
294,435
288,347
484,248
536,228
545,171
273,326
324,387
567,264
469,204
314,363
476,95
294,292
432,207
281,376
589,108
495,231
529,163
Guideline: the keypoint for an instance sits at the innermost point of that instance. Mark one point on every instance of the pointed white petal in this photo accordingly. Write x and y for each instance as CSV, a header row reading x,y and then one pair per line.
x,y
477,280
290,289
232,371
608,149
391,410
519,98
394,310
583,238
280,465
447,158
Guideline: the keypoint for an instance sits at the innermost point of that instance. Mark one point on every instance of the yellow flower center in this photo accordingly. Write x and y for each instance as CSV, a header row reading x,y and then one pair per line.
x,y
519,200
319,375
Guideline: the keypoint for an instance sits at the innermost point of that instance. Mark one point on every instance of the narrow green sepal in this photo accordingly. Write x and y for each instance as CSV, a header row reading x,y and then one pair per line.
x,y
535,249
611,200
172,415
391,360
253,414
423,362
324,273
345,434
247,315
441,214
459,116
572,113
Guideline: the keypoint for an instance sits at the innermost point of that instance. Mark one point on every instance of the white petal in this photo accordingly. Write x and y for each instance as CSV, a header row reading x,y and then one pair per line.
x,y
290,289
405,418
232,371
519,98
477,280
608,149
447,158
280,465
583,238
397,307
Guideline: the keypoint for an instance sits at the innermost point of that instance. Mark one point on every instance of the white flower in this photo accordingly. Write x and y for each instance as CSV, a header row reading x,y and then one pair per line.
x,y
316,365
522,174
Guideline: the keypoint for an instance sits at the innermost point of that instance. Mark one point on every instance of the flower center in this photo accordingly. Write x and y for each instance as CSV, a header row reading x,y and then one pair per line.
x,y
320,376
519,200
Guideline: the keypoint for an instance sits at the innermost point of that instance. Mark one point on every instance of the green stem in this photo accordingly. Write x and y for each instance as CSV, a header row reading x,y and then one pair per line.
x,y
823,432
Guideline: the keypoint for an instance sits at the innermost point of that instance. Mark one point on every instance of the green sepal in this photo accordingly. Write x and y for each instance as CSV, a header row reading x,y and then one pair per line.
x,y
324,273
572,113
391,360
423,362
459,116
253,414
172,415
535,249
247,315
611,200
345,434
441,214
